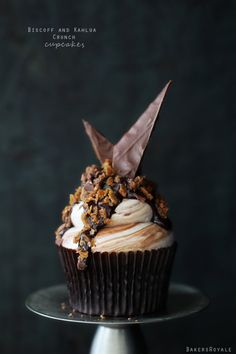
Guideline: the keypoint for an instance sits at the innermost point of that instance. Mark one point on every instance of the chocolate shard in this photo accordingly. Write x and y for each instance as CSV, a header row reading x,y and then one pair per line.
x,y
128,152
101,145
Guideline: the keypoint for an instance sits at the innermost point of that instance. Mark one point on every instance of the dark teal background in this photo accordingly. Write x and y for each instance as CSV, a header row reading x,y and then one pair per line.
x,y
44,94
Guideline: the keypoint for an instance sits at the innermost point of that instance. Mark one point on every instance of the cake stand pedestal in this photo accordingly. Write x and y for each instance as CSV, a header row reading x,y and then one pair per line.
x,y
116,335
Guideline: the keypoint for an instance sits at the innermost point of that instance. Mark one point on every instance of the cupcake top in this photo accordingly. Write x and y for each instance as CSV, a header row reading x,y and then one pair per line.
x,y
115,208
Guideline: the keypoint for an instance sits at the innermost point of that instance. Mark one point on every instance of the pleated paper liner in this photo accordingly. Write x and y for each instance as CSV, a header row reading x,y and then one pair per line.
x,y
119,284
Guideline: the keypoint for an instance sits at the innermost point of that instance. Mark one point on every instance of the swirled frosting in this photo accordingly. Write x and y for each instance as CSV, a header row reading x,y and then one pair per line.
x,y
131,211
132,237
130,229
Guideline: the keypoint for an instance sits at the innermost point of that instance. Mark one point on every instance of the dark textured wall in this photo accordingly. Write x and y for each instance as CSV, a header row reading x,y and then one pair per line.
x,y
44,94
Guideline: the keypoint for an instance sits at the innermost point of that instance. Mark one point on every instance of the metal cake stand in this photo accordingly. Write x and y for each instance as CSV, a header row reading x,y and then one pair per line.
x,y
116,335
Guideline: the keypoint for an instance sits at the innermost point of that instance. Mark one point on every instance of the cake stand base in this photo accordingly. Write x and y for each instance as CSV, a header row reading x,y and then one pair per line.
x,y
117,340
116,335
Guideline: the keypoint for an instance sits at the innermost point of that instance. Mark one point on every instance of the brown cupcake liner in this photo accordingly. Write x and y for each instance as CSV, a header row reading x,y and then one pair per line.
x,y
119,284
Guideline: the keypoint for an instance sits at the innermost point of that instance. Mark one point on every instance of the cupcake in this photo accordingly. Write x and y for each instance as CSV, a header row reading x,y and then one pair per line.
x,y
116,243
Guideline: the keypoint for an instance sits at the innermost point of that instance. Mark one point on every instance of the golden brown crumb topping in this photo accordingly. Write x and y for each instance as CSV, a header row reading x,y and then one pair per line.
x,y
101,190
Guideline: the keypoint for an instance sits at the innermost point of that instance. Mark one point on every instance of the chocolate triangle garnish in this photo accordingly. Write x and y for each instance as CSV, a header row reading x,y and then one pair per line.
x,y
101,145
128,152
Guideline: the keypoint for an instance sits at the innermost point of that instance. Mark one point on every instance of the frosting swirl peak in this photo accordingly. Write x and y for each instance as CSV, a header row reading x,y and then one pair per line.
x,y
131,211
